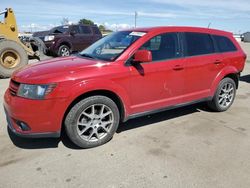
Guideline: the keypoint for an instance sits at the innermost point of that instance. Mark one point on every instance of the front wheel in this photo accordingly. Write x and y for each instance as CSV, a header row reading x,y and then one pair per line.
x,y
92,121
63,51
224,96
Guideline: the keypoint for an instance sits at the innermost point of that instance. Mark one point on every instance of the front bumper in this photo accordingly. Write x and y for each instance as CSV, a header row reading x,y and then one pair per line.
x,y
44,117
30,135
51,46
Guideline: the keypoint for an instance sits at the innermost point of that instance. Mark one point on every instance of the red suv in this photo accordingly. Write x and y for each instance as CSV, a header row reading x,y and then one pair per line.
x,y
147,71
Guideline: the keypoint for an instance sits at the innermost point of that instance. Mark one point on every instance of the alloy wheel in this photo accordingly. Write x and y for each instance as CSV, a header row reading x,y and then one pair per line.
x,y
65,51
95,122
226,95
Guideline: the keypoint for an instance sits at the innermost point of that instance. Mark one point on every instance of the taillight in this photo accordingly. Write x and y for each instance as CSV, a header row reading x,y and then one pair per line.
x,y
245,56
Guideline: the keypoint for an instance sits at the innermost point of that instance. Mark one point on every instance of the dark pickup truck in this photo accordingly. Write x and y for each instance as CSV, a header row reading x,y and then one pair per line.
x,y
63,40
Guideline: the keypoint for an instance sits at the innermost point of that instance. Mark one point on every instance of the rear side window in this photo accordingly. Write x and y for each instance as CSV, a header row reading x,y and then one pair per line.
x,y
224,44
85,30
163,47
199,44
96,30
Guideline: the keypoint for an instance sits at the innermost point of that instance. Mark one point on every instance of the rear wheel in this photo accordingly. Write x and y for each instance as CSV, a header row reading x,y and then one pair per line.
x,y
92,122
63,51
12,57
224,96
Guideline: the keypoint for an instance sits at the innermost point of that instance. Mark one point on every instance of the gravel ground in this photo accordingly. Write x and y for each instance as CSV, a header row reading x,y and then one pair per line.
x,y
186,147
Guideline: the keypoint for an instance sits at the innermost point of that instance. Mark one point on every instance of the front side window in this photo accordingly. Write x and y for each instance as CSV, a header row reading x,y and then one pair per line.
x,y
199,44
224,44
75,29
60,29
112,46
163,47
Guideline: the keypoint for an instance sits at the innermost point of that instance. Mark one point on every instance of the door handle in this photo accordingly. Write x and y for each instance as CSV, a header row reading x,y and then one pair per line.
x,y
178,67
217,62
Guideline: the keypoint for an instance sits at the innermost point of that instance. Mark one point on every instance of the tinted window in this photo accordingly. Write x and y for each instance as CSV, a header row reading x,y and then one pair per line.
x,y
224,44
60,29
96,31
75,29
164,46
112,46
85,30
199,44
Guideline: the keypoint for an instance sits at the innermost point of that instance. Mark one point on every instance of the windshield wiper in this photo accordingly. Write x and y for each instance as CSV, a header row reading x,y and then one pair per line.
x,y
87,55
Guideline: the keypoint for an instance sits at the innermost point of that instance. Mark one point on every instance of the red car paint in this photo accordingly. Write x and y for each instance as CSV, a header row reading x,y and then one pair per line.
x,y
159,85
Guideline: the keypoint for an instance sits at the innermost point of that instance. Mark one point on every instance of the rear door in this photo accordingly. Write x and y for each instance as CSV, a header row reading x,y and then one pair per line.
x,y
75,37
86,36
96,34
159,83
230,54
202,64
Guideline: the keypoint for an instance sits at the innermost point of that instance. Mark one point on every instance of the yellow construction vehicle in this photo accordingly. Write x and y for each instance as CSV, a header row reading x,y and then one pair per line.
x,y
15,51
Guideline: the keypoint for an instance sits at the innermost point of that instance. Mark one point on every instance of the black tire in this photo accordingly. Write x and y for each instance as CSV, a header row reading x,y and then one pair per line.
x,y
42,49
215,103
15,48
63,51
77,115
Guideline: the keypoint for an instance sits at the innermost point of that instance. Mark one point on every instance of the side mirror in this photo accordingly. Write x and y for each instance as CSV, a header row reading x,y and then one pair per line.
x,y
142,56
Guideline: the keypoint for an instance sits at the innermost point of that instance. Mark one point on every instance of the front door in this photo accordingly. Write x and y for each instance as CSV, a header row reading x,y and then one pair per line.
x,y
159,83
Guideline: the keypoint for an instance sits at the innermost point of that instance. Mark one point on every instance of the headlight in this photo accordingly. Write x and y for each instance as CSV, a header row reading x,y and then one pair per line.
x,y
49,38
35,91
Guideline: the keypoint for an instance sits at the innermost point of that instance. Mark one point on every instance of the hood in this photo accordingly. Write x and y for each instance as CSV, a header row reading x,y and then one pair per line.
x,y
56,70
41,33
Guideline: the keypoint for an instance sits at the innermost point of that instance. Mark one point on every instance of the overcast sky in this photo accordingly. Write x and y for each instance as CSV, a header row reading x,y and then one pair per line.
x,y
230,15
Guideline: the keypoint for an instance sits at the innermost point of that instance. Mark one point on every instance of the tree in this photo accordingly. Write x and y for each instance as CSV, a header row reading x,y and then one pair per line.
x,y
86,21
102,28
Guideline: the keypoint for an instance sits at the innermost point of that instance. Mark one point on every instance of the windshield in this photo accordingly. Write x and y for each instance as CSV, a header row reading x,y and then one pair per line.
x,y
60,29
111,46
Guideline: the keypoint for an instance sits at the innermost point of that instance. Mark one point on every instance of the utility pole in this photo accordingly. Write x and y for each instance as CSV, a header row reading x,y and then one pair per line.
x,y
136,15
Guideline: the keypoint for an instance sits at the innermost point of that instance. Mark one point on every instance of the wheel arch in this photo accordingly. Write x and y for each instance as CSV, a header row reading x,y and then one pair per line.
x,y
65,43
230,72
235,77
107,93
